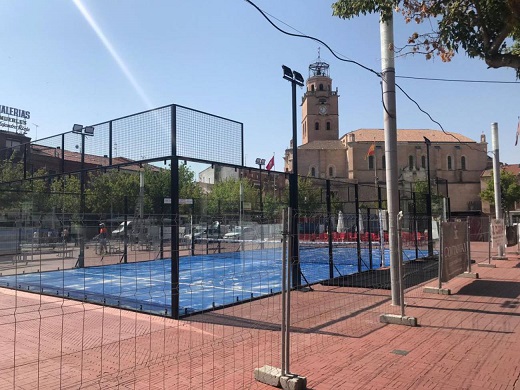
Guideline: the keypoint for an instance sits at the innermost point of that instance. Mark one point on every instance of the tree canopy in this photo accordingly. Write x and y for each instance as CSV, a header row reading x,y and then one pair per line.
x,y
510,191
485,29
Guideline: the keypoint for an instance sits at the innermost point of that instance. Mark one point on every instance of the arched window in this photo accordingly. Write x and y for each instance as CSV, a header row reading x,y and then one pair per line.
x,y
313,172
332,171
410,162
423,162
321,87
317,126
328,125
450,166
312,87
463,163
370,162
383,162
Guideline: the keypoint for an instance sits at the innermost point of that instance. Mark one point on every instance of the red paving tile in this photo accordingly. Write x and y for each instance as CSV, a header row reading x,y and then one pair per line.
x,y
468,340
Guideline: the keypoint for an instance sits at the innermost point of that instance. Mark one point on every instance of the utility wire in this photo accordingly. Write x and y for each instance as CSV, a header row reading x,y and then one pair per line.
x,y
457,80
405,77
378,74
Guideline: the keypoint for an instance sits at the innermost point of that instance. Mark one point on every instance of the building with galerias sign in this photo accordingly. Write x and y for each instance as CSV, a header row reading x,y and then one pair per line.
x,y
358,156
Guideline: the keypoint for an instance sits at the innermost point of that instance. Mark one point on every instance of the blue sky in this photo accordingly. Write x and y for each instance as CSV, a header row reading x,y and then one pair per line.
x,y
224,58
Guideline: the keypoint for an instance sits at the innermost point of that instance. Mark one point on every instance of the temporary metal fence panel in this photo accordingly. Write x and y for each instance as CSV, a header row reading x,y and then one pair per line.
x,y
230,254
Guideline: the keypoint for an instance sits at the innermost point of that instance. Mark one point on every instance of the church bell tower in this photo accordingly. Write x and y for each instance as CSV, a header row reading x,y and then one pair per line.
x,y
320,121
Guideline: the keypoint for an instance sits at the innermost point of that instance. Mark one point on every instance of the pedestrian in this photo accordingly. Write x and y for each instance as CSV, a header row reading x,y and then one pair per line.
x,y
102,239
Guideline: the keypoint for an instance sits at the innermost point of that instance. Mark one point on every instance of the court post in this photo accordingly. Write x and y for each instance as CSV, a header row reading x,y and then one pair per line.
x,y
329,222
125,231
174,194
358,230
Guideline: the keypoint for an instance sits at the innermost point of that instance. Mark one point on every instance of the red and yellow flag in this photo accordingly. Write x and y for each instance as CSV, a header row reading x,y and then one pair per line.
x,y
371,150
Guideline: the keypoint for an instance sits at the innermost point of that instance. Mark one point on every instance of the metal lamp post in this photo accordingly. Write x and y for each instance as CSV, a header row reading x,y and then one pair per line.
x,y
429,198
296,79
84,131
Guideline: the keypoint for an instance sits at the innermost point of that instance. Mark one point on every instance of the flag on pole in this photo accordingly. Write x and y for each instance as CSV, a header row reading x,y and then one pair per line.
x,y
270,164
517,131
371,150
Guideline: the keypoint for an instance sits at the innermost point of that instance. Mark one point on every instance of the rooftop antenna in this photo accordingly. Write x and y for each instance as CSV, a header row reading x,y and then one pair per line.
x,y
36,131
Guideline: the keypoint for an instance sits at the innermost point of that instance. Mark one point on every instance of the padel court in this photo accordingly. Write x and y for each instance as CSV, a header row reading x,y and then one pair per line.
x,y
206,281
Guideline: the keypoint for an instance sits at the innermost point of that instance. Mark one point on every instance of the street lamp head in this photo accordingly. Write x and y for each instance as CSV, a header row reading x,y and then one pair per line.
x,y
427,141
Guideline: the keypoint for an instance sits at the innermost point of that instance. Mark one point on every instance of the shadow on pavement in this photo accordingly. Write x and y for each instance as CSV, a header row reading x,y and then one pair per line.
x,y
491,288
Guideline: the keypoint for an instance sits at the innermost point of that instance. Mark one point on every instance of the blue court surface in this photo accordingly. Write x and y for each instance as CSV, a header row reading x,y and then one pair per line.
x,y
206,281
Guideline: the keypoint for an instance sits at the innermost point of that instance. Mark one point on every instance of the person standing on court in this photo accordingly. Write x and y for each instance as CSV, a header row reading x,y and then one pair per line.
x,y
102,239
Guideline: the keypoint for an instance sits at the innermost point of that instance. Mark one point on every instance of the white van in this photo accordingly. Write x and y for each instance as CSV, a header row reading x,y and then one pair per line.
x,y
118,233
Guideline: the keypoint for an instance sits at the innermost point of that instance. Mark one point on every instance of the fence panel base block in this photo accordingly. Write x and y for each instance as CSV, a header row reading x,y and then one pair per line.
x,y
486,265
469,275
436,290
398,319
269,375
293,382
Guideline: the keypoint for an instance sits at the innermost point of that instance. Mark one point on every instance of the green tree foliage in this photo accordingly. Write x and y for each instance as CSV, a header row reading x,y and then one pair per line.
x,y
157,187
11,194
39,193
309,197
421,191
106,192
65,195
272,207
225,196
485,29
510,191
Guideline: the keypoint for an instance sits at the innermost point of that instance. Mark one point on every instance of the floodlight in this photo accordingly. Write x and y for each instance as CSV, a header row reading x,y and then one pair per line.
x,y
287,73
77,128
89,130
298,78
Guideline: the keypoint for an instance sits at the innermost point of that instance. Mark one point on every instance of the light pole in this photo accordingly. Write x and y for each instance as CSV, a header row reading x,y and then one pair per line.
x,y
84,131
429,198
296,79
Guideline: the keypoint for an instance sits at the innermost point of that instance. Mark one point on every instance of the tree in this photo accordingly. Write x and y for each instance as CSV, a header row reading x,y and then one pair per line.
x,y
11,172
485,29
421,191
225,196
272,207
65,195
157,187
510,191
309,197
106,191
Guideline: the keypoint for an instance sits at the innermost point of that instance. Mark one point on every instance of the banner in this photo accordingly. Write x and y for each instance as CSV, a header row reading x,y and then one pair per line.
x,y
454,250
498,232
